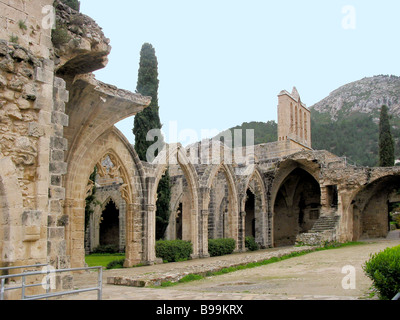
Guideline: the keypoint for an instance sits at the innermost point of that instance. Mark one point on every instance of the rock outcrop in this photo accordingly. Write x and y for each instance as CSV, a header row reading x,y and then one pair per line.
x,y
366,96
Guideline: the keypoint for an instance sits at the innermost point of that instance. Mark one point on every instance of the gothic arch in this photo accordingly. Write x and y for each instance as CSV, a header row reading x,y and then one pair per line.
x,y
174,154
296,206
367,214
232,225
111,144
259,218
286,168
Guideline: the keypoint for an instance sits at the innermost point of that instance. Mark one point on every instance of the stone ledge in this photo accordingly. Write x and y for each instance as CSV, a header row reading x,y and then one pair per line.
x,y
201,267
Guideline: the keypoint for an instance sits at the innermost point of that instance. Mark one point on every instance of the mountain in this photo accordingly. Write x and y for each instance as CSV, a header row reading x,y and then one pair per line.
x,y
364,96
346,122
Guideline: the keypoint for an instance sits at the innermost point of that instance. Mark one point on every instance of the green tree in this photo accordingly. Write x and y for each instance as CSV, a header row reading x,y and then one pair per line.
x,y
386,142
149,119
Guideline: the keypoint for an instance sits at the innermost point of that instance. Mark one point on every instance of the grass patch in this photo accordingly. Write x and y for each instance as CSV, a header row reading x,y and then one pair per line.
x,y
252,265
102,260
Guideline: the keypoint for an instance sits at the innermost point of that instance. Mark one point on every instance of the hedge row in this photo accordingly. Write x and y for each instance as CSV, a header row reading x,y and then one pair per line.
x,y
221,247
174,251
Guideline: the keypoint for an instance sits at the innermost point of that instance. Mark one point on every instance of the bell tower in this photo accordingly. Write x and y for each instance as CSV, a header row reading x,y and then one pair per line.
x,y
294,118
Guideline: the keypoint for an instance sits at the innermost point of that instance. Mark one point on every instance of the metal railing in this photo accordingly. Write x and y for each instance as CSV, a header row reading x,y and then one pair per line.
x,y
46,283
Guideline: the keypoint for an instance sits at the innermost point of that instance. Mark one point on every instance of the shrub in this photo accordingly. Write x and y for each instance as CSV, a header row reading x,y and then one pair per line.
x,y
221,247
116,264
174,251
251,244
60,35
106,249
384,270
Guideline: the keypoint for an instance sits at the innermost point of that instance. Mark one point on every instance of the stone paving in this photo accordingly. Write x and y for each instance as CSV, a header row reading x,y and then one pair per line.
x,y
210,289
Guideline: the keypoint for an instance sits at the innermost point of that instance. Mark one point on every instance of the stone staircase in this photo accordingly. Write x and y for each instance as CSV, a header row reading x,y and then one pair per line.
x,y
325,224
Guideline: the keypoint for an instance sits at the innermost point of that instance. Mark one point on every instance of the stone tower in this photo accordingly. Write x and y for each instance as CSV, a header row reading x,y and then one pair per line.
x,y
294,118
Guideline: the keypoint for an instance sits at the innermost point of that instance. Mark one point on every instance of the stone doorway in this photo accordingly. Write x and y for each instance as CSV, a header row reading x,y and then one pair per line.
x,y
109,226
250,215
372,207
297,207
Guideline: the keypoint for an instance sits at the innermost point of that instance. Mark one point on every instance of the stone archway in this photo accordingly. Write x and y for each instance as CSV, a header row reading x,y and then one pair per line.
x,y
172,156
220,206
296,207
256,221
370,208
250,230
126,165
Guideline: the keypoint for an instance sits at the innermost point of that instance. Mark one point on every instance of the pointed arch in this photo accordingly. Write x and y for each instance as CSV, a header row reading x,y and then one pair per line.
x,y
127,166
175,154
231,225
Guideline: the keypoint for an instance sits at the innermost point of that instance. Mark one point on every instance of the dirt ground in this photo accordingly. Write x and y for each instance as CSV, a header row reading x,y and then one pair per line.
x,y
315,276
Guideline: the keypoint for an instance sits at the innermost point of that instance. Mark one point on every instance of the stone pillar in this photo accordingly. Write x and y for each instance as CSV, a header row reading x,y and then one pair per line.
x,y
241,246
134,248
204,234
150,213
325,205
261,229
75,231
195,238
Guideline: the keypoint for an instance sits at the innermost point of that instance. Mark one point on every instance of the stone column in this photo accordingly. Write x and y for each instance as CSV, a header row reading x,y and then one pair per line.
x,y
75,231
241,246
195,238
204,234
261,229
150,213
325,208
133,234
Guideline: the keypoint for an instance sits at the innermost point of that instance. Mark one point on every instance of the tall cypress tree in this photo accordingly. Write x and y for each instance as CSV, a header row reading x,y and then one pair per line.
x,y
147,120
386,142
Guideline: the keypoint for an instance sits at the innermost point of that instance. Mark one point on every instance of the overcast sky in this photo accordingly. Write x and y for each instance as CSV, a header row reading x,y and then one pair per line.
x,y
223,62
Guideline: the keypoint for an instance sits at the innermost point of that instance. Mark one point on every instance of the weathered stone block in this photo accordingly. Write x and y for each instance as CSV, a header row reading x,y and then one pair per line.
x,y
57,143
58,168
60,118
43,75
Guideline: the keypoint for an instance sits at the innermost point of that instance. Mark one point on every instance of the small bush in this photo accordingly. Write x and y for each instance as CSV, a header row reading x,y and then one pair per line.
x,y
14,39
116,264
221,247
251,244
22,25
384,270
174,251
106,249
60,35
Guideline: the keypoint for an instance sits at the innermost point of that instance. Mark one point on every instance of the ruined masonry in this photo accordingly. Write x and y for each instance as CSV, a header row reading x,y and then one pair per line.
x,y
57,124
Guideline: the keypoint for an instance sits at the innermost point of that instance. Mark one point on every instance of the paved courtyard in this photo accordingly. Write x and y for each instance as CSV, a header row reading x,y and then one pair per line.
x,y
315,276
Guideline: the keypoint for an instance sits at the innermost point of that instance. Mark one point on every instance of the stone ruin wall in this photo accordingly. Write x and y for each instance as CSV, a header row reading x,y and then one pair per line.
x,y
32,118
